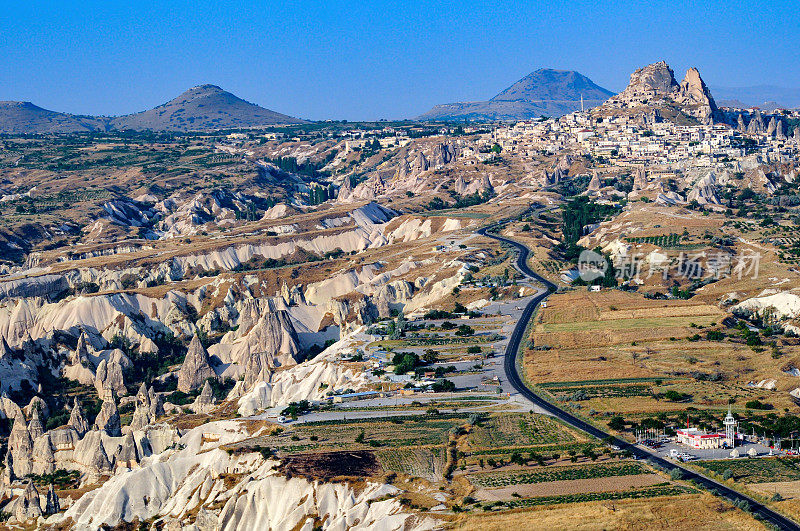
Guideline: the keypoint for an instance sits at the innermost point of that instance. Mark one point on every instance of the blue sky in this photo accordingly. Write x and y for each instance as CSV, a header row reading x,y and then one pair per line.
x,y
372,60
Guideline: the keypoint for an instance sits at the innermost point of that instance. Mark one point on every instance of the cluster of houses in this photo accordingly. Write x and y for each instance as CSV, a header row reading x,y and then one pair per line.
x,y
622,140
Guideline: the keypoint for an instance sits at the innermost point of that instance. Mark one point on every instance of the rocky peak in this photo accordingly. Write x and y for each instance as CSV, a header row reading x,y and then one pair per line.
x,y
196,367
35,427
207,391
771,126
148,408
655,78
98,460
20,448
206,402
109,378
756,124
44,460
594,184
156,404
77,419
52,505
108,419
653,87
272,342
81,355
443,153
141,415
693,90
38,404
29,505
128,454
345,190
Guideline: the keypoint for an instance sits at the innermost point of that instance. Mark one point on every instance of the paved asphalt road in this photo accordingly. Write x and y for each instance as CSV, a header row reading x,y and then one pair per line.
x,y
759,509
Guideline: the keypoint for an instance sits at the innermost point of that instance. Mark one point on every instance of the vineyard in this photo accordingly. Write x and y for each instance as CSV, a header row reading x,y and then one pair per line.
x,y
409,432
610,381
552,266
505,479
669,240
519,429
651,492
608,391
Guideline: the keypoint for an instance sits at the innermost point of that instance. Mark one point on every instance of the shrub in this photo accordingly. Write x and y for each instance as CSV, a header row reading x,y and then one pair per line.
x,y
617,423
465,330
443,386
675,396
757,404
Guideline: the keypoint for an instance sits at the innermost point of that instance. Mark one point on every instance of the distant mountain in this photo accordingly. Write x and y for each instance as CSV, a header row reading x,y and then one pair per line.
x,y
763,96
543,92
18,117
201,108
547,84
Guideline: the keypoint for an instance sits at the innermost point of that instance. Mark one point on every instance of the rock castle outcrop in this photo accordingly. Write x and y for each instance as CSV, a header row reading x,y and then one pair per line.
x,y
653,88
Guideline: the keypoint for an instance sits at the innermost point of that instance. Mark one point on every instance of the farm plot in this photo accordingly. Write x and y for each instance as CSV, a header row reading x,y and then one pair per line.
x,y
689,511
359,434
648,492
505,479
570,487
331,464
764,470
662,240
427,463
519,430
610,381
606,391
395,432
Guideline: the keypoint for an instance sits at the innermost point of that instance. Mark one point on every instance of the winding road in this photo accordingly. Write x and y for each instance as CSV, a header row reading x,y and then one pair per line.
x,y
511,370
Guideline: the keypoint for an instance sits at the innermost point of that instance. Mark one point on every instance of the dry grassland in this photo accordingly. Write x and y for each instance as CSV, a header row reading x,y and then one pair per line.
x,y
570,486
613,334
696,512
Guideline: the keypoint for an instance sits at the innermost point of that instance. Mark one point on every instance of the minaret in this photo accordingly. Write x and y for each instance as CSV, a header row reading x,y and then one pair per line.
x,y
581,102
730,428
